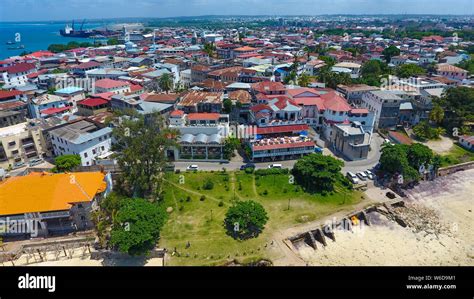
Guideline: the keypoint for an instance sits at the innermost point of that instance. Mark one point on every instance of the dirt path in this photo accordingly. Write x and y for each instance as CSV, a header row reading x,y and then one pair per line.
x,y
195,192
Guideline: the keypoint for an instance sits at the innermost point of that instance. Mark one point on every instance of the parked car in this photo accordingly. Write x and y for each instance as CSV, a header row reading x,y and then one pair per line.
x,y
193,167
362,176
369,174
278,166
35,162
352,177
18,165
245,166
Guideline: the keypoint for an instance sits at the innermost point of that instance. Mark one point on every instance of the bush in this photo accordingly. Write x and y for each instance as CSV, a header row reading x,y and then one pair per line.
x,y
221,203
203,198
208,184
249,170
265,192
273,171
188,199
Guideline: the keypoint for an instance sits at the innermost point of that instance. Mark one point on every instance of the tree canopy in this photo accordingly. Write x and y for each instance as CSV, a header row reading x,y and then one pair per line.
x,y
318,173
409,70
140,147
166,82
137,226
66,163
458,106
245,220
333,79
390,52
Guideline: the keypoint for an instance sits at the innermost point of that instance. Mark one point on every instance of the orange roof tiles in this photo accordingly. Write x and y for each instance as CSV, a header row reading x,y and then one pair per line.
x,y
46,192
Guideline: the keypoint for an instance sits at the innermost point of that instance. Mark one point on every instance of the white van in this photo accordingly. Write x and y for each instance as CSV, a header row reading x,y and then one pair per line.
x,y
352,177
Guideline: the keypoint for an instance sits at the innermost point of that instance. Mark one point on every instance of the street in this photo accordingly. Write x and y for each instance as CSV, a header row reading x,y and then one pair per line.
x,y
353,166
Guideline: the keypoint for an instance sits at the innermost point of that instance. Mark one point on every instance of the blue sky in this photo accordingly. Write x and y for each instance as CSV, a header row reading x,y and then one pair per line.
x,y
25,10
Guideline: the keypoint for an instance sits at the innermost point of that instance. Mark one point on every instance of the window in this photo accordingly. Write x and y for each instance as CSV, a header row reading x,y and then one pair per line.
x,y
85,155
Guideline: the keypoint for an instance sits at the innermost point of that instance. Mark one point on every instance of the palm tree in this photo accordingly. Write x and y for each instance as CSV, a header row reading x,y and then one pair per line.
x,y
166,82
304,80
437,114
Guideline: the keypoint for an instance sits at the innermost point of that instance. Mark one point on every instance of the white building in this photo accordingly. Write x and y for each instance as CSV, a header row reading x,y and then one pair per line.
x,y
82,138
17,75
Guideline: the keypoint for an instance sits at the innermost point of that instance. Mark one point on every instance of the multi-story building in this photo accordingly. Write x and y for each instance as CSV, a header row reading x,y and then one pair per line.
x,y
83,138
19,144
351,140
353,93
385,105
46,204
198,101
202,135
17,75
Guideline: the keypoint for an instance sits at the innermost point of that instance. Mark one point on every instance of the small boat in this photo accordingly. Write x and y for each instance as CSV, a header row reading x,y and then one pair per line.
x,y
10,42
16,48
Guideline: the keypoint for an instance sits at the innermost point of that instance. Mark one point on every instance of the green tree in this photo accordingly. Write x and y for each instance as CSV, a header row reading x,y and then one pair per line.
x,y
468,65
230,145
137,227
140,149
437,114
166,82
66,163
458,106
113,42
394,160
304,80
332,79
318,173
227,103
409,70
390,52
419,154
245,220
209,49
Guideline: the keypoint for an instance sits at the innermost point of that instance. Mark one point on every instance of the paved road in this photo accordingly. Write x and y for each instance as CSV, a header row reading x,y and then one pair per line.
x,y
353,166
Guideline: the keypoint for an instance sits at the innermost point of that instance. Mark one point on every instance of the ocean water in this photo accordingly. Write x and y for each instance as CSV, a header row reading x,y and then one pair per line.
x,y
36,35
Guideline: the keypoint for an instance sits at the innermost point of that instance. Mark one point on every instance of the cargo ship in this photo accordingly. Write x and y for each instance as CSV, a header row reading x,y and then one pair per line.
x,y
70,31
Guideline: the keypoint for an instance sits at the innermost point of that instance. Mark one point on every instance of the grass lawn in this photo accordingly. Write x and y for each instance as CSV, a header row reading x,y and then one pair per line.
x,y
201,221
456,155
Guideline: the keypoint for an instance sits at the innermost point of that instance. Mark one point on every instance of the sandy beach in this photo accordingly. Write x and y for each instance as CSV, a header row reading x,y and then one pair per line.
x,y
387,243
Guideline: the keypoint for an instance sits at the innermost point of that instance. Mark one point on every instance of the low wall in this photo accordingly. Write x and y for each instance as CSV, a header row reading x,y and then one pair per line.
x,y
455,168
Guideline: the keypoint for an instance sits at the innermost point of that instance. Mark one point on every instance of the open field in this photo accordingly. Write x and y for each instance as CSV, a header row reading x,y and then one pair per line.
x,y
456,155
201,221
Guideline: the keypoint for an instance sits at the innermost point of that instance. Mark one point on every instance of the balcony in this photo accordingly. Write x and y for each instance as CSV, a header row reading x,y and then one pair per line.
x,y
276,123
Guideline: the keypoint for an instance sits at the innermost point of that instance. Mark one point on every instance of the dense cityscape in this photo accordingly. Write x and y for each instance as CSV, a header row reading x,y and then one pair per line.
x,y
332,140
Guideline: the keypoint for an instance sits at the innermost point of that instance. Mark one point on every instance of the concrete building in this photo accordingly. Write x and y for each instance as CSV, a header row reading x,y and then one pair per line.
x,y
351,140
83,138
202,136
385,105
51,204
19,144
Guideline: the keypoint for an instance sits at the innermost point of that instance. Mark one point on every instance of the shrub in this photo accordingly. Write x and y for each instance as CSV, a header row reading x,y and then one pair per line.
x,y
188,199
265,192
208,184
273,171
203,198
221,203
249,170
